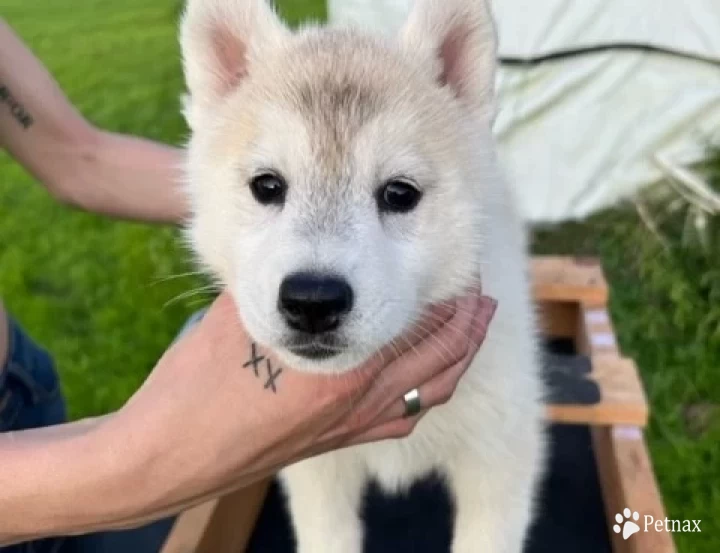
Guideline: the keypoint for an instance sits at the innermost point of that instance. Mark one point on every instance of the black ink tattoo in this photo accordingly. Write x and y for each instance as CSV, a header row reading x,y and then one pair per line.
x,y
17,110
255,359
272,377
254,362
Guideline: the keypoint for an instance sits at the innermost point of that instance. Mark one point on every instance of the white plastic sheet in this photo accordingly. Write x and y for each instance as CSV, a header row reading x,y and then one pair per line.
x,y
580,134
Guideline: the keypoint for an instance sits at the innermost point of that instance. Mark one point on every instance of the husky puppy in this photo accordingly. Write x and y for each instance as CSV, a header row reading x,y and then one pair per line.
x,y
327,159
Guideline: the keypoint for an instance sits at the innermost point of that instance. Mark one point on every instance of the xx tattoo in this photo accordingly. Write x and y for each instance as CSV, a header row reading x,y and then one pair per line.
x,y
16,108
256,362
255,359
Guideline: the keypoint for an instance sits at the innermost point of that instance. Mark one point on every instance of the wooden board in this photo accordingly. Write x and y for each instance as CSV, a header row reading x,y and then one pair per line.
x,y
622,398
627,481
559,279
557,319
571,295
595,331
189,529
624,467
219,526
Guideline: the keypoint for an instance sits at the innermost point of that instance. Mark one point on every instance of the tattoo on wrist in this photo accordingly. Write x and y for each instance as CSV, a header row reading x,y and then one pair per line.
x,y
256,362
17,110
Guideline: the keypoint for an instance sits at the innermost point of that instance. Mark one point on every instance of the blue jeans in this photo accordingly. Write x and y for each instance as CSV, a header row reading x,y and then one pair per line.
x,y
30,397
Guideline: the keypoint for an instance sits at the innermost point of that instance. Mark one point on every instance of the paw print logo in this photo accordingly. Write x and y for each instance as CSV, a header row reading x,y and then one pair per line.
x,y
626,523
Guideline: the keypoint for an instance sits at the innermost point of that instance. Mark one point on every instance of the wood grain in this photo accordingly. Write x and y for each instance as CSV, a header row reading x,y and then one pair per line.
x,y
622,396
220,526
627,481
568,279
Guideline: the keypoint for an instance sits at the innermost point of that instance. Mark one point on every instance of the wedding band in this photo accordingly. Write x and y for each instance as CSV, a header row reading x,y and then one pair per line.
x,y
412,403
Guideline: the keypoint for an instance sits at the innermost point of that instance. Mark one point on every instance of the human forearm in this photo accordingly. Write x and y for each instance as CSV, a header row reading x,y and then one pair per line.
x,y
127,177
47,473
81,165
98,474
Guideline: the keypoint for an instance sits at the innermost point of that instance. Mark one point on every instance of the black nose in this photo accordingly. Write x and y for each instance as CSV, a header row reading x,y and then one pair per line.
x,y
314,303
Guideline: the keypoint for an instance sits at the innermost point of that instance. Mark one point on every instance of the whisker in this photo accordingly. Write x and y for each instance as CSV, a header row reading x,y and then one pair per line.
x,y
209,289
432,345
159,280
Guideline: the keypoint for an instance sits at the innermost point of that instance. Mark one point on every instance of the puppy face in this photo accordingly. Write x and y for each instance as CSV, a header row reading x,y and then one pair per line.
x,y
333,176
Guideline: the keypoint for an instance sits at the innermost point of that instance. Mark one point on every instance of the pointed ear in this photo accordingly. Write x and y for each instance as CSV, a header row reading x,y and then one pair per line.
x,y
457,41
220,41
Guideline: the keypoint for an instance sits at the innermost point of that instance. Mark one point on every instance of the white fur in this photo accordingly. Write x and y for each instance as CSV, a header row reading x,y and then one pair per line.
x,y
246,114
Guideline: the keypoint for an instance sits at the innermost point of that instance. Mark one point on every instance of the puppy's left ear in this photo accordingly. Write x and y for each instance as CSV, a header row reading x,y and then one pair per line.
x,y
456,40
221,40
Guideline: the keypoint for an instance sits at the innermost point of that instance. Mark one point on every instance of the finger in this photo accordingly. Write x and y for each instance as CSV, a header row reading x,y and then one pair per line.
x,y
481,324
379,407
399,428
440,350
440,388
437,391
434,318
363,377
443,348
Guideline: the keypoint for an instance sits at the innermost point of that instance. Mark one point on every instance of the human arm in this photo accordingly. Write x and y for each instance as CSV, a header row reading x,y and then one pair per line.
x,y
81,165
201,425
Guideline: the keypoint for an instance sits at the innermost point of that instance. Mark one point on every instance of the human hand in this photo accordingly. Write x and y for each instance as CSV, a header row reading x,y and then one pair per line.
x,y
220,412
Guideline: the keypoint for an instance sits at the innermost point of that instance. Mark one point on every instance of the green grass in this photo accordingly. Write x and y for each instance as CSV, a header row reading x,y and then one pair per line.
x,y
91,289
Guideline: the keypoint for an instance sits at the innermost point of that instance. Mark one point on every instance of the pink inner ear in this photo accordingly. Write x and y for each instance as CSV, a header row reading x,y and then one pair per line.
x,y
232,56
453,54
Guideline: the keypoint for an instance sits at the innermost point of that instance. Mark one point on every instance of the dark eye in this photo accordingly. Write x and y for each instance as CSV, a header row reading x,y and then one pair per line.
x,y
398,196
268,188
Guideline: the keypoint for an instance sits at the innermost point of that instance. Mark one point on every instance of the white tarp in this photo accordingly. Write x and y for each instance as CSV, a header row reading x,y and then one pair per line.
x,y
578,134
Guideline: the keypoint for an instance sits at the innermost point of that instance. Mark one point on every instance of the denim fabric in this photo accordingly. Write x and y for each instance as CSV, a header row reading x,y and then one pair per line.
x,y
194,319
30,394
30,397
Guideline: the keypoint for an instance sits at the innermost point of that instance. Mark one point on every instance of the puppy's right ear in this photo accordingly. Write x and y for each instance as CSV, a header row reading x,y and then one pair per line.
x,y
220,41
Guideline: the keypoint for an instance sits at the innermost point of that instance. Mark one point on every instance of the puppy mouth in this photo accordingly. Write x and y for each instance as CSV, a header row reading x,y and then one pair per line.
x,y
315,348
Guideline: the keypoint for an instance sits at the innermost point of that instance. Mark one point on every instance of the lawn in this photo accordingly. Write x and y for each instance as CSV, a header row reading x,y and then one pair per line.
x,y
97,292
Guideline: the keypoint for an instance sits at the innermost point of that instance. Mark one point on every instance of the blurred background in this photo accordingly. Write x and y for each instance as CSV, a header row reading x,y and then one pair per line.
x,y
609,124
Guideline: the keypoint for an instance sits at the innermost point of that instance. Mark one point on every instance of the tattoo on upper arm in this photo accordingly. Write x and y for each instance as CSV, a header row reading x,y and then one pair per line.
x,y
17,110
255,362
